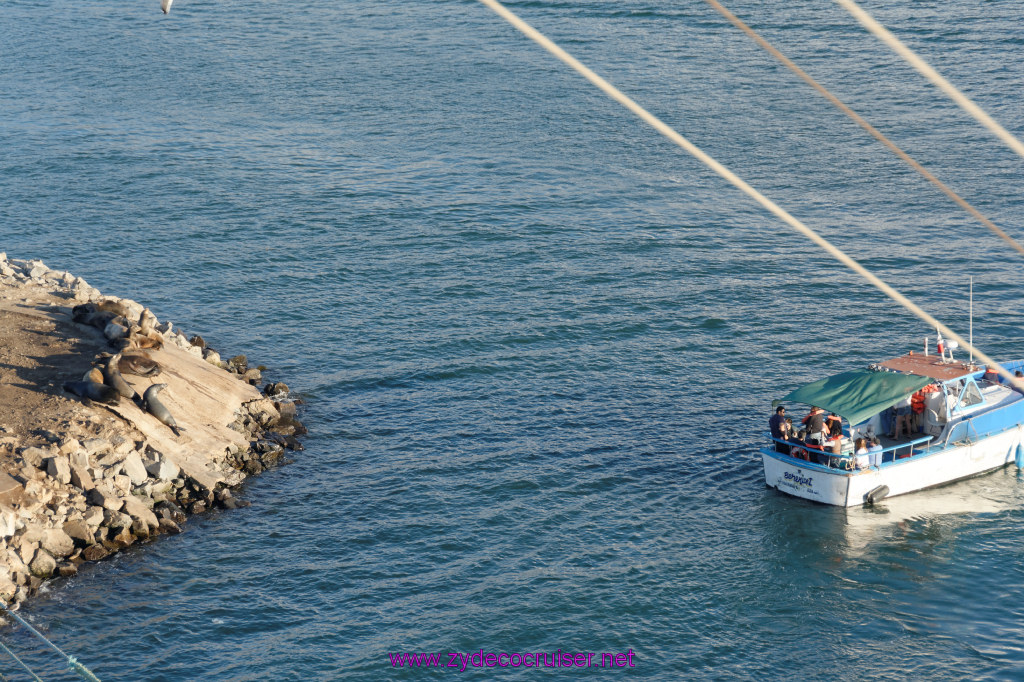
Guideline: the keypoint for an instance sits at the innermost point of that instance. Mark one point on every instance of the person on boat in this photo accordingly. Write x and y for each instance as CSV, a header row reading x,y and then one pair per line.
x,y
1019,376
834,424
815,423
990,375
862,458
777,425
917,408
901,424
798,449
777,422
875,451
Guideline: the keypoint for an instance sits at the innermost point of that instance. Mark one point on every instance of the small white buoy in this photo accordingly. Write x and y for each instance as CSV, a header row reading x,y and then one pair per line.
x,y
165,5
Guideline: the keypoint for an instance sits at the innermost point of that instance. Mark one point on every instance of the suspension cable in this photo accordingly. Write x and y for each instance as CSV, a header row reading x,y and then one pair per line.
x,y
724,172
931,74
878,135
73,663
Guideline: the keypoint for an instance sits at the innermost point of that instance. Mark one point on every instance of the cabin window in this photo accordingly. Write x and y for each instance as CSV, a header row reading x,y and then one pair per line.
x,y
971,396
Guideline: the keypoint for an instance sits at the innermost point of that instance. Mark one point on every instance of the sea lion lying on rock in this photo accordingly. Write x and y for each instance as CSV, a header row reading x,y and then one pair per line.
x,y
139,365
90,390
114,320
157,409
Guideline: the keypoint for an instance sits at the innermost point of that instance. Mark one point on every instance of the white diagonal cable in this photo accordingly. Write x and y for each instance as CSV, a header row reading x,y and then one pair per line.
x,y
931,74
862,122
667,131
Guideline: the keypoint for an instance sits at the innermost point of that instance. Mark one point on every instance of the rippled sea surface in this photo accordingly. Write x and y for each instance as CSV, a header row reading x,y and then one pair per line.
x,y
537,343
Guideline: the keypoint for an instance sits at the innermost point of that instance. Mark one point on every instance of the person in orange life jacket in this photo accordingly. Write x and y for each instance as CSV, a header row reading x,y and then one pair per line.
x,y
815,423
991,375
918,408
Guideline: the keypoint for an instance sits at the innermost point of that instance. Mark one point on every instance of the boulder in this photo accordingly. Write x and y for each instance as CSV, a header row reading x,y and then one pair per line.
x,y
11,492
123,538
7,588
94,552
80,533
94,445
8,523
162,469
116,520
140,529
67,569
27,551
57,543
35,456
42,565
81,479
170,527
137,509
59,468
93,516
80,458
169,510
134,469
102,496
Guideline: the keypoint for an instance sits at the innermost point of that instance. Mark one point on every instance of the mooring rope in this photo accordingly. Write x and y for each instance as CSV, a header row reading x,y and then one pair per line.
x,y
734,179
20,662
877,134
73,663
931,74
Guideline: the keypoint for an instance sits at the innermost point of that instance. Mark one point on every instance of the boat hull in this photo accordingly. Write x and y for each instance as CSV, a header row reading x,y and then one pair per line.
x,y
925,470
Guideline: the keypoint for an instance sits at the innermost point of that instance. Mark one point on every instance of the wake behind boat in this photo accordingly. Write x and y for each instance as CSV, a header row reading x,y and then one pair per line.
x,y
933,420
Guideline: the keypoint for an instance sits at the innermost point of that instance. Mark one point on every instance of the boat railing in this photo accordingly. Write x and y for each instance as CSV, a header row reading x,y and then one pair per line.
x,y
982,425
845,460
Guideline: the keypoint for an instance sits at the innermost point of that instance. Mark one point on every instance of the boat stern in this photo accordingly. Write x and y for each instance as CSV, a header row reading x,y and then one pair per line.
x,y
804,479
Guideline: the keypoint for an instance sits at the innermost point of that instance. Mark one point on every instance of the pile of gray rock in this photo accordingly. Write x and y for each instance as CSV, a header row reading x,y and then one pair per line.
x,y
116,477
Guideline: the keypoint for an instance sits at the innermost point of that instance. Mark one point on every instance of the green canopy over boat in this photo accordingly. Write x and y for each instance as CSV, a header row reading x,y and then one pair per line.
x,y
855,396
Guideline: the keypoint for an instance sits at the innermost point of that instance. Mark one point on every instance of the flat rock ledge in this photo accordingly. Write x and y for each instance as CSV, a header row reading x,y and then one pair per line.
x,y
81,479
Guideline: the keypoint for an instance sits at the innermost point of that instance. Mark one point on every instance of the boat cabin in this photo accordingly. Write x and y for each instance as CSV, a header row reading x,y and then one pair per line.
x,y
948,402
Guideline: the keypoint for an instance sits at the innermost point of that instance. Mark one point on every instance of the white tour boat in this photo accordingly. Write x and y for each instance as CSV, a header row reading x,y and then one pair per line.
x,y
968,422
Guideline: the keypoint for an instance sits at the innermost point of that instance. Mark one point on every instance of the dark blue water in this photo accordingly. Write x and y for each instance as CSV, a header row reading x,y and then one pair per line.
x,y
537,343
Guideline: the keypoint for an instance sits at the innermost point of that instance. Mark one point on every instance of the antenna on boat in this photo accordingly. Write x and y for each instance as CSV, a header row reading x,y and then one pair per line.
x,y
970,336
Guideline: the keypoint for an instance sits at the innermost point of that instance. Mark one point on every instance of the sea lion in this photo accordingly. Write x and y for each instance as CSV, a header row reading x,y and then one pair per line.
x,y
90,390
138,364
87,314
113,307
157,409
93,374
147,322
115,331
151,340
112,377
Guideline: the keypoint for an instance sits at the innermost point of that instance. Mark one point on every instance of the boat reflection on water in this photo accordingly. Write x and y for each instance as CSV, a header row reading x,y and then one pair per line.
x,y
834,533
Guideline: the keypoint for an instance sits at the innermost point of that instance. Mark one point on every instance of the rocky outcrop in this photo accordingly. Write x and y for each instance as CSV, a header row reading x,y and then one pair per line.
x,y
104,477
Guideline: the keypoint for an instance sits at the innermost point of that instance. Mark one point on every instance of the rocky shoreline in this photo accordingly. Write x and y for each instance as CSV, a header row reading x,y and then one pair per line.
x,y
82,478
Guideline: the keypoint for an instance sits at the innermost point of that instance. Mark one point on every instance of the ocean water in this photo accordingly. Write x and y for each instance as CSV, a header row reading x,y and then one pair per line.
x,y
537,343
